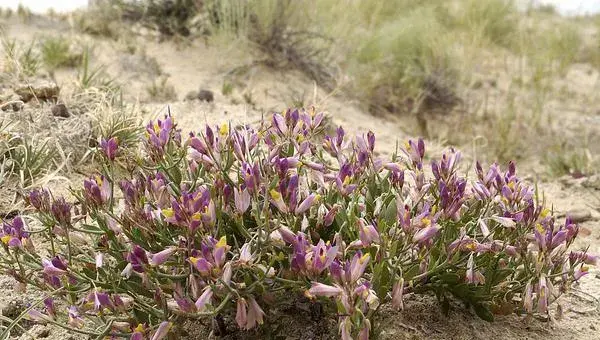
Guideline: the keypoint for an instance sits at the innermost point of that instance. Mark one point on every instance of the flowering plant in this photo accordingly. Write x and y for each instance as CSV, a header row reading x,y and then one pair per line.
x,y
225,220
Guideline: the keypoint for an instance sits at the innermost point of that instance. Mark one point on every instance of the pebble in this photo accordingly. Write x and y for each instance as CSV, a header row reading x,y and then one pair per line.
x,y
206,95
60,110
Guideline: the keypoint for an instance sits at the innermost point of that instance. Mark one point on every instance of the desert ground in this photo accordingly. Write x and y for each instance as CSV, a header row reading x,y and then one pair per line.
x,y
245,88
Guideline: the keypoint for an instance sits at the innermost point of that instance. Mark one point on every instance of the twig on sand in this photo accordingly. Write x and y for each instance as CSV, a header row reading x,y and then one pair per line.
x,y
587,297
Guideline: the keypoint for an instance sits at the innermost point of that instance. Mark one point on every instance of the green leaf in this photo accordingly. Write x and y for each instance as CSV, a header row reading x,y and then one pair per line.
x,y
483,312
390,214
450,278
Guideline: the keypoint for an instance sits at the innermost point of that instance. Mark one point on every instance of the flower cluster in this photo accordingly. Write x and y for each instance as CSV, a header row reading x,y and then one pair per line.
x,y
225,220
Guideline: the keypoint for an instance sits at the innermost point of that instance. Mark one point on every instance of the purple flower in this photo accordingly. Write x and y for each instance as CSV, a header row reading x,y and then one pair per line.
x,y
14,234
75,320
277,201
61,210
307,203
158,134
137,258
279,124
246,254
51,269
584,256
322,256
110,147
50,308
39,199
138,333
580,272
37,316
97,190
202,265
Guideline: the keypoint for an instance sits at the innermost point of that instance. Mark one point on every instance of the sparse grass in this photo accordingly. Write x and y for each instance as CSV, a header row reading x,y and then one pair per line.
x,y
227,88
20,60
565,159
56,53
29,159
96,77
161,91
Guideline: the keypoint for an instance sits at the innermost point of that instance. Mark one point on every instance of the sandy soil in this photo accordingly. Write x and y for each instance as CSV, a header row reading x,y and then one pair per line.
x,y
196,65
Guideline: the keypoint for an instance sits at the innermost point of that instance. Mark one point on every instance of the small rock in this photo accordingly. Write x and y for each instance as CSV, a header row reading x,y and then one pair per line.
x,y
60,110
192,95
206,95
579,215
202,95
43,333
13,308
42,90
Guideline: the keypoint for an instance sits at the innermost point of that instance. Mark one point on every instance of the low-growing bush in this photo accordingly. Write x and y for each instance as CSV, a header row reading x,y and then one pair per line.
x,y
56,53
232,219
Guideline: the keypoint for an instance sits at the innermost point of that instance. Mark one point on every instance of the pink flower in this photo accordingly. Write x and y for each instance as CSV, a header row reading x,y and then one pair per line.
x,y
425,234
307,203
528,297
161,257
162,331
255,314
320,289
204,299
277,201
365,330
241,316
368,234
397,295
473,276
99,260
246,254
542,295
358,265
346,328
242,200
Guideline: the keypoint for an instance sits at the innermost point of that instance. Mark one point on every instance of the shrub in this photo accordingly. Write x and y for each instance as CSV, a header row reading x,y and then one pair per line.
x,y
227,219
407,60
56,53
496,20
161,91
